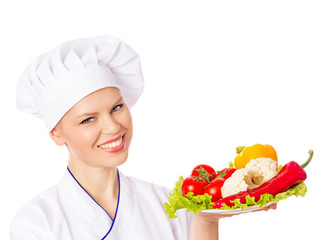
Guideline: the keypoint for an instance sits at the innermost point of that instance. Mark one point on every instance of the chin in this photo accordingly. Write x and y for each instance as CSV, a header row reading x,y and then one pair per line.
x,y
116,161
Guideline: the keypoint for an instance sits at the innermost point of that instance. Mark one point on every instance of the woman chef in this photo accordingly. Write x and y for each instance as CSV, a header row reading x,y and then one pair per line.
x,y
83,90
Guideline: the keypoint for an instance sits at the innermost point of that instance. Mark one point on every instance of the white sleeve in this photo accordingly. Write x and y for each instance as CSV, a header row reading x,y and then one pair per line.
x,y
27,230
182,224
30,224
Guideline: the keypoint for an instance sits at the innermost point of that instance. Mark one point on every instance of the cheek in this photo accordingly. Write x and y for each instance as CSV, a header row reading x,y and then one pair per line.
x,y
125,120
129,123
80,141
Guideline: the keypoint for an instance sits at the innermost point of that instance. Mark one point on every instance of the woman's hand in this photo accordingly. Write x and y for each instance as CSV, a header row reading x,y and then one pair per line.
x,y
206,225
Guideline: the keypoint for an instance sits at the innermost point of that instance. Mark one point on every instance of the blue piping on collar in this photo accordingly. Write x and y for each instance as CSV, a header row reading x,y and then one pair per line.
x,y
115,216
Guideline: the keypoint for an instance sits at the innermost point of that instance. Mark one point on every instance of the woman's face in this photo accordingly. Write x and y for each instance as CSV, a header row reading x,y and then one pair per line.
x,y
97,130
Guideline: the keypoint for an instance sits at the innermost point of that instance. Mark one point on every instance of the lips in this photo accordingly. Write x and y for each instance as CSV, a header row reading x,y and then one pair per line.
x,y
113,145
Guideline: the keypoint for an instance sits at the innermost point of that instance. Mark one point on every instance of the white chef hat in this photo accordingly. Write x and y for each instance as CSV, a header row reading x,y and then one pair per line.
x,y
55,81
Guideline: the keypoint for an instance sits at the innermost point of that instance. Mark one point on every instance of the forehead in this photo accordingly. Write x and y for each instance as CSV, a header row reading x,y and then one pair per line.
x,y
96,101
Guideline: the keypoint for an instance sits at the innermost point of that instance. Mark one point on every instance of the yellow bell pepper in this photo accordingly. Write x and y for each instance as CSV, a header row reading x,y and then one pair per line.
x,y
246,154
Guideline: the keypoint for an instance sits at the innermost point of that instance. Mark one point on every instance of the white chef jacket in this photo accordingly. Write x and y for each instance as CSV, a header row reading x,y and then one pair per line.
x,y
67,212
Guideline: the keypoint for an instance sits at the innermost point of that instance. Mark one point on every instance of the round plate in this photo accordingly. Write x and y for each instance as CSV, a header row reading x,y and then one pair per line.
x,y
235,211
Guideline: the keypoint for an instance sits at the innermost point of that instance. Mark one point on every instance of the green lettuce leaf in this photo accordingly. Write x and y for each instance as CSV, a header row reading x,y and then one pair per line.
x,y
203,202
190,202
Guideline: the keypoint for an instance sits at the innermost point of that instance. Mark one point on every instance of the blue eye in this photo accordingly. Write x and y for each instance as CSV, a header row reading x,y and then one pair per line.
x,y
88,120
117,108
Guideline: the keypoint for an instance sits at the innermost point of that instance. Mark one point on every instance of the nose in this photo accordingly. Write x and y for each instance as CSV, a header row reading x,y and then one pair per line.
x,y
110,126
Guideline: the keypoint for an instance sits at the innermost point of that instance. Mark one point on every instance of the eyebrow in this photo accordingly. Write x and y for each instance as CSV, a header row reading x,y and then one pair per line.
x,y
94,113
86,115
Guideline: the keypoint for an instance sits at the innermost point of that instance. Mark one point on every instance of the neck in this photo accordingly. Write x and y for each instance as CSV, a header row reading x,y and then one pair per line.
x,y
100,183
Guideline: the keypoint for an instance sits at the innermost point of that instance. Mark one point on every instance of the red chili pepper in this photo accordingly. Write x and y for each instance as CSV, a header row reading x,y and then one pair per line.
x,y
289,175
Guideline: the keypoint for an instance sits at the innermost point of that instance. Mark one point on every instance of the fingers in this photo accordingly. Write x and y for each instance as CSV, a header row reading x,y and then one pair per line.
x,y
272,206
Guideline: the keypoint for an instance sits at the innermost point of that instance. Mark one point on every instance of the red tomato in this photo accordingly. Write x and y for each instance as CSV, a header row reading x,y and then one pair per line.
x,y
214,189
190,184
226,172
205,171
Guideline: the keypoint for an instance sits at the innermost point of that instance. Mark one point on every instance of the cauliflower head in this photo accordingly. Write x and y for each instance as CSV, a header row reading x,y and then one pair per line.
x,y
262,170
240,180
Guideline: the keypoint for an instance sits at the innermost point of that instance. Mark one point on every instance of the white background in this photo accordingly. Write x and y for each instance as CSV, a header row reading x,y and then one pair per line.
x,y
218,74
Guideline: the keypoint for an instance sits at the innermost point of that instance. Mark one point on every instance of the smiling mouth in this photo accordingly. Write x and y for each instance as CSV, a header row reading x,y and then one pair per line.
x,y
114,145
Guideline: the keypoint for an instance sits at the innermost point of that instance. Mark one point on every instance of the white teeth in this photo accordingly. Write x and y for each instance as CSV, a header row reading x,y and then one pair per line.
x,y
113,144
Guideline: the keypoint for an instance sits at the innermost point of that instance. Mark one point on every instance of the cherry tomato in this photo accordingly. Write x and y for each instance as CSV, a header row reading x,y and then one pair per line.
x,y
214,189
205,171
226,173
190,184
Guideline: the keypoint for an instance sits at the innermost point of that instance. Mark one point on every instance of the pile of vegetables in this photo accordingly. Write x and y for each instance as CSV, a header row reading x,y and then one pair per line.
x,y
253,179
